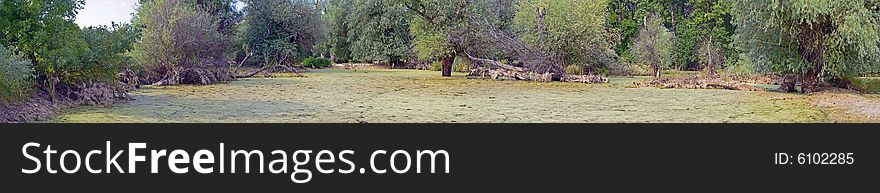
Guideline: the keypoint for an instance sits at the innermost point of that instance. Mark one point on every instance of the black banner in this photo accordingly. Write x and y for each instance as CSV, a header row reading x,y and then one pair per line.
x,y
478,157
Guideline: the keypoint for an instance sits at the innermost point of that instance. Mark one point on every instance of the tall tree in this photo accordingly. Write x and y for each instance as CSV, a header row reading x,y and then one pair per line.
x,y
439,27
35,27
713,23
281,31
338,26
382,33
652,45
180,44
446,29
809,39
572,32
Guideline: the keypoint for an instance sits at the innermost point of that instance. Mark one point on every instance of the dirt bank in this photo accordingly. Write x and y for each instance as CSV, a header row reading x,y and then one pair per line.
x,y
847,106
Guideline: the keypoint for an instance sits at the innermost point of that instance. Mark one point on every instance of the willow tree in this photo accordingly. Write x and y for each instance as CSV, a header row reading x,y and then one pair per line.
x,y
281,32
810,40
477,29
439,28
44,32
571,32
338,28
179,44
382,33
653,45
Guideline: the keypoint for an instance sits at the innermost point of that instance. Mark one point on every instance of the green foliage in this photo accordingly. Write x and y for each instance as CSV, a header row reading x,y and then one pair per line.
x,y
743,66
429,42
574,70
317,62
626,17
712,21
436,66
867,84
109,47
439,23
654,44
382,32
573,31
44,32
177,37
692,21
337,29
824,38
461,64
281,31
684,53
16,76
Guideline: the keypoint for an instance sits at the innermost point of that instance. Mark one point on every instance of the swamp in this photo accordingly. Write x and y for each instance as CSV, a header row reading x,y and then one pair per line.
x,y
386,95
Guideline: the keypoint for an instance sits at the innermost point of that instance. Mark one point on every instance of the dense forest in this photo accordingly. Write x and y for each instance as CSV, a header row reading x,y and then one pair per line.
x,y
43,53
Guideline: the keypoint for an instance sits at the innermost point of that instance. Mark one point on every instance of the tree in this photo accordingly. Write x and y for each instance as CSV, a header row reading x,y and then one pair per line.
x,y
446,29
627,16
281,32
809,39
224,11
179,44
713,24
653,45
35,28
110,46
16,76
572,32
694,23
382,34
338,27
439,28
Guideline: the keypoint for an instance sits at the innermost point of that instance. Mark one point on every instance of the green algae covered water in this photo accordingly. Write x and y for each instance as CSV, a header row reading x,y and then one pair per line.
x,y
395,96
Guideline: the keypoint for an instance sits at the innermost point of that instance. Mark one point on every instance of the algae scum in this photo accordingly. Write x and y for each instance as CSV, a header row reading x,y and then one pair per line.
x,y
378,96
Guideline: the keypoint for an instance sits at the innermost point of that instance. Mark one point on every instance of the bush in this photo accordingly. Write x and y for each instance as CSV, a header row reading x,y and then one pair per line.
x,y
574,70
867,84
167,61
653,45
16,76
743,66
461,64
436,66
317,62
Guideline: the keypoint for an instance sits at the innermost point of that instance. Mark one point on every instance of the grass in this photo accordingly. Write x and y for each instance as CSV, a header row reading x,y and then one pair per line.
x,y
867,84
334,95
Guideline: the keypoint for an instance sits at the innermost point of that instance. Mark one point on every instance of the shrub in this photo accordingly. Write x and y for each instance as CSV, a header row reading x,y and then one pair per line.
x,y
436,66
461,64
16,76
653,45
317,62
166,25
743,66
867,84
574,70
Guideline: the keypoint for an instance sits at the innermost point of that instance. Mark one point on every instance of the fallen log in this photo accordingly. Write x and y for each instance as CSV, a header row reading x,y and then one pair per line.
x,y
585,78
497,64
697,82
503,71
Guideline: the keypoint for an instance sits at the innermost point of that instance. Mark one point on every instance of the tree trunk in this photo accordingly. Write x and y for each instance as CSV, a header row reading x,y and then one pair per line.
x,y
447,65
710,52
812,48
542,28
